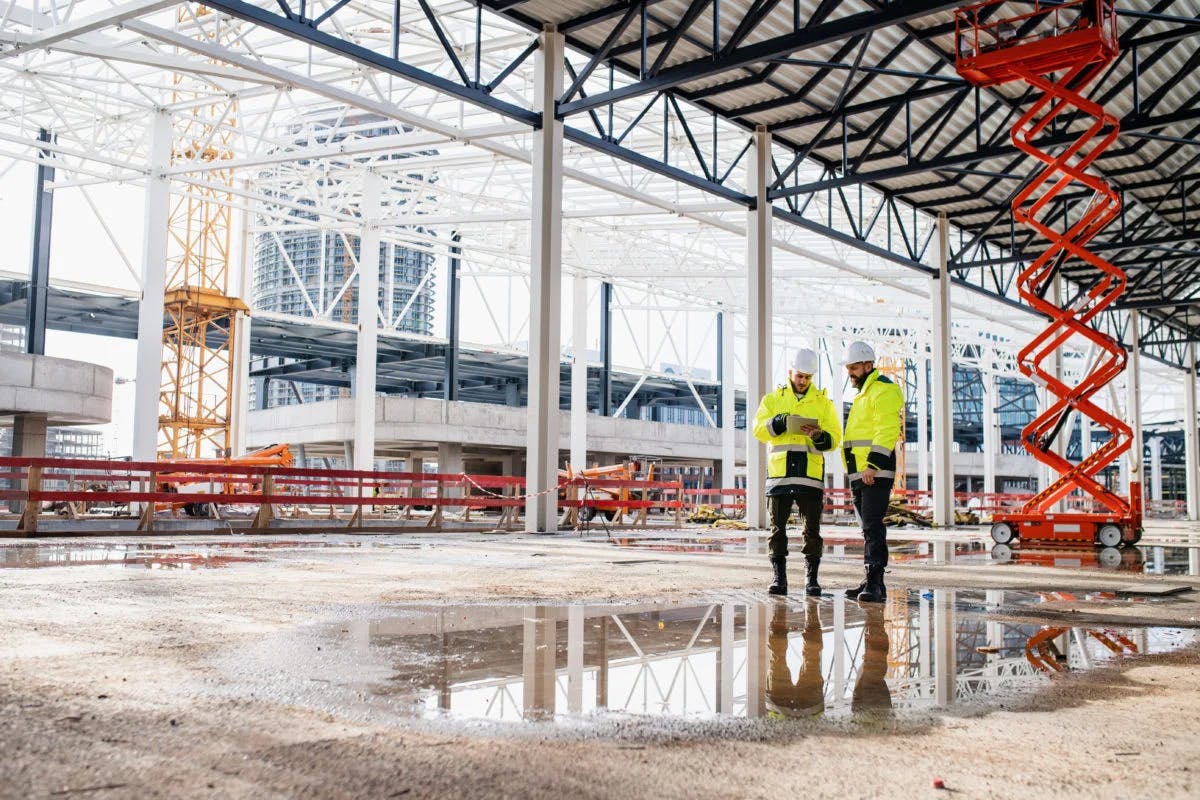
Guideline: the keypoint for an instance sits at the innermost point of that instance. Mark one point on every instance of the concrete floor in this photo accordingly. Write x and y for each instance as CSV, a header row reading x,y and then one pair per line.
x,y
424,665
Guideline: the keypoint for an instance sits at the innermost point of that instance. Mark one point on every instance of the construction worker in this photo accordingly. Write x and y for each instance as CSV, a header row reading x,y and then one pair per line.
x,y
799,423
872,430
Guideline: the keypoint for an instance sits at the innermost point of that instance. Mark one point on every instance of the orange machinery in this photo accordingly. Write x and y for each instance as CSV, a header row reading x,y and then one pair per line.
x,y
1058,50
276,455
625,471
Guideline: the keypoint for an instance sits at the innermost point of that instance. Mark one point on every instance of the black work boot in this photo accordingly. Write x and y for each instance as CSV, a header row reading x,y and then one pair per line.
x,y
813,588
875,591
779,585
854,591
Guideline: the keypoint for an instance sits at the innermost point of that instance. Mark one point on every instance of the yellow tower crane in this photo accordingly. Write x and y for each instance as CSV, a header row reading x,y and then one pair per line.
x,y
199,342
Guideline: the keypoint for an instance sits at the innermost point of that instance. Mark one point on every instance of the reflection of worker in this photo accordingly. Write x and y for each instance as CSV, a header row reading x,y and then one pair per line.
x,y
872,429
806,696
799,423
871,690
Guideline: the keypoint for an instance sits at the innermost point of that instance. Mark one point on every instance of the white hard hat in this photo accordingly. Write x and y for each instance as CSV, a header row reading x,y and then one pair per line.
x,y
805,361
858,351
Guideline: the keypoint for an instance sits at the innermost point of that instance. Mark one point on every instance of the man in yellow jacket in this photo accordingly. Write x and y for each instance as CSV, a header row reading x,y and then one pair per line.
x,y
799,424
873,429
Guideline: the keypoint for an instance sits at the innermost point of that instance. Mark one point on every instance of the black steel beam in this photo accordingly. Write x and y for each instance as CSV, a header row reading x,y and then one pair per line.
x,y
773,48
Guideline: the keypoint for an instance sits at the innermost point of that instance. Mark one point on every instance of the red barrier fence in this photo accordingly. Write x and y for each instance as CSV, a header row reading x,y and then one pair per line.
x,y
75,486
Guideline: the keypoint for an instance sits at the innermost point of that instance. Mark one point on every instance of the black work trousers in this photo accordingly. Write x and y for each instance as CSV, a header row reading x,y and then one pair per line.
x,y
871,503
810,501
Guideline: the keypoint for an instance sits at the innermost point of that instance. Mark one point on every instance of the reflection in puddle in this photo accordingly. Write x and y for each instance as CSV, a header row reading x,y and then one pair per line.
x,y
1151,560
145,556
799,658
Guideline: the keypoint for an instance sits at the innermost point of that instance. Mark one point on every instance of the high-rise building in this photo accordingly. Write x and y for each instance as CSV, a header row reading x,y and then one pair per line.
x,y
321,260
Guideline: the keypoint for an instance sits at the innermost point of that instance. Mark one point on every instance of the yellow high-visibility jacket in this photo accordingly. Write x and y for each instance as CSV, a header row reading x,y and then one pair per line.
x,y
873,428
795,460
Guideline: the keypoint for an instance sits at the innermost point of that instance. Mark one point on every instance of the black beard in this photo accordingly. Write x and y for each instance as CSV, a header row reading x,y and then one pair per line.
x,y
857,381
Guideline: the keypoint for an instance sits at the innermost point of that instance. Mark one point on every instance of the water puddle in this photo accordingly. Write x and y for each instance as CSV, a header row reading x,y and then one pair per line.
x,y
724,658
1150,560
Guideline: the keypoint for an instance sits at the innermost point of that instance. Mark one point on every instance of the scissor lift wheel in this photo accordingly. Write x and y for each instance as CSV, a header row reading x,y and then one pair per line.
x,y
1109,535
1003,533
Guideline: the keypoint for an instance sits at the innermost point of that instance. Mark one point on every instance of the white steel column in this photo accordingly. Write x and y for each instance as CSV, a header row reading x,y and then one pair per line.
x,y
368,323
240,402
759,318
545,293
1134,403
148,378
991,431
729,405
833,387
579,364
943,431
1191,453
1156,476
923,422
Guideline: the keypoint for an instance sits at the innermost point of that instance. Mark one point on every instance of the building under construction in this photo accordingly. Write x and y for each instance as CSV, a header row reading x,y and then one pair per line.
x,y
464,458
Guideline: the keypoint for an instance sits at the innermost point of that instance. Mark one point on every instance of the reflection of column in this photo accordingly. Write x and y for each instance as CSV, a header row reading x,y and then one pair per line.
x,y
756,659
945,668
602,665
839,647
924,634
575,658
725,661
1193,561
943,552
538,663
444,678
995,630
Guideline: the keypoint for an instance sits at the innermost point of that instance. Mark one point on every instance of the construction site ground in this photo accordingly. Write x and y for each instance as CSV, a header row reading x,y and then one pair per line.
x,y
222,666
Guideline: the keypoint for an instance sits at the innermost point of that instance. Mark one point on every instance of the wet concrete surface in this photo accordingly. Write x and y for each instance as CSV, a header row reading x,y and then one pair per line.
x,y
703,659
530,666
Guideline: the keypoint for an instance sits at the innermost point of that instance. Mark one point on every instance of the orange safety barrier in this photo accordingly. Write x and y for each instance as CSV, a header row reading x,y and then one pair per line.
x,y
74,485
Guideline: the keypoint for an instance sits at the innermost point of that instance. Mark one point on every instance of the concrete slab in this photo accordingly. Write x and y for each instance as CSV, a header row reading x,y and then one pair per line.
x,y
68,392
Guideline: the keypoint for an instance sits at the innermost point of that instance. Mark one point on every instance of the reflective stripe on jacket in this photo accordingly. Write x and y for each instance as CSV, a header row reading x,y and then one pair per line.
x,y
873,428
794,459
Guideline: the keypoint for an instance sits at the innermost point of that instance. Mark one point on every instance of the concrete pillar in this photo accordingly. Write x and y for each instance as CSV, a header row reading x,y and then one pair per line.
x,y
943,390
28,441
148,375
991,431
758,340
368,323
1156,473
1085,436
545,296
728,403
1133,414
450,461
1191,469
579,366
923,423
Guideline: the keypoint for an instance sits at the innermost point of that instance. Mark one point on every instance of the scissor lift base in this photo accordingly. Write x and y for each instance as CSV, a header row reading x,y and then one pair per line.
x,y
1095,529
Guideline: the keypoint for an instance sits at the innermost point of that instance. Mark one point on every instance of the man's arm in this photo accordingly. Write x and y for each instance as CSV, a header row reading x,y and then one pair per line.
x,y
889,408
768,425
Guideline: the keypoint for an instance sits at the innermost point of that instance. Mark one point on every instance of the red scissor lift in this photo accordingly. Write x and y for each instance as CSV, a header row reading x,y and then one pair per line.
x,y
1058,51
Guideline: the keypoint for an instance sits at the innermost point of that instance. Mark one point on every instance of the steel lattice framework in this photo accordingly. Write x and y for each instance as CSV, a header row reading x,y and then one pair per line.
x,y
872,135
